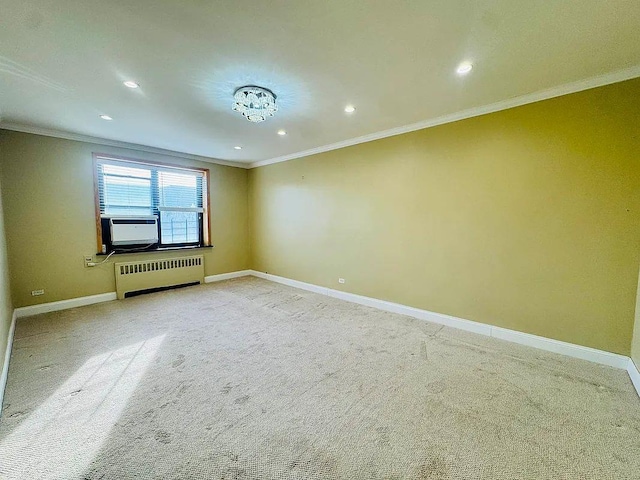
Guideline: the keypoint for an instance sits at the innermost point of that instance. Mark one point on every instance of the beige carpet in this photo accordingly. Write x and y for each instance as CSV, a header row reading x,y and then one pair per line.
x,y
248,379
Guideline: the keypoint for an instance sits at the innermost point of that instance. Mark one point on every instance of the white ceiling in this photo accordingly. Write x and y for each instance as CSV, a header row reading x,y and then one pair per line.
x,y
62,64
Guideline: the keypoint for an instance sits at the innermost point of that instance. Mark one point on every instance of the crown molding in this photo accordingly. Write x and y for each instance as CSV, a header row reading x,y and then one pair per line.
x,y
567,88
16,127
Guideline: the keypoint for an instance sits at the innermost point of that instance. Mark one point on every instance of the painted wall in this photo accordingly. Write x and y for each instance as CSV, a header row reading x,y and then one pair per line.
x,y
6,308
527,219
50,220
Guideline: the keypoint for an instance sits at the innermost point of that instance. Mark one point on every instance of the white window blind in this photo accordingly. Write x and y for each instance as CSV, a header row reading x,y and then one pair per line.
x,y
125,190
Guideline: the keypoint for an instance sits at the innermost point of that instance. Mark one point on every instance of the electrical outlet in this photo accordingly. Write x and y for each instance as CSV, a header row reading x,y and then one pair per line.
x,y
341,280
35,293
87,260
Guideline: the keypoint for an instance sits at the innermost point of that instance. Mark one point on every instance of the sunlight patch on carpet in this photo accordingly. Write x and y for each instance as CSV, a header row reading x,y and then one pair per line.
x,y
61,438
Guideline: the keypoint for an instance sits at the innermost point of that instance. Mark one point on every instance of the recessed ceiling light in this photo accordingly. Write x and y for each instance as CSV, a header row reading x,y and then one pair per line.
x,y
282,132
131,84
106,117
349,109
464,68
237,147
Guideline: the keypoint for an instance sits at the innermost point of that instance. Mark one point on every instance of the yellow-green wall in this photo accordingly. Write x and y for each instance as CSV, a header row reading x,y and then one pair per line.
x,y
6,308
50,220
527,219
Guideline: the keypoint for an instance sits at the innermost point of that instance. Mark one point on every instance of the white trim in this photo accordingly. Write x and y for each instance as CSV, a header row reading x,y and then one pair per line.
x,y
7,356
568,88
78,137
569,349
103,297
573,87
226,276
439,318
65,304
634,374
556,346
292,283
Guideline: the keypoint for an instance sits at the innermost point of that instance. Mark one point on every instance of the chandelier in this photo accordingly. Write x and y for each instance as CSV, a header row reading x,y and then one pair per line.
x,y
255,103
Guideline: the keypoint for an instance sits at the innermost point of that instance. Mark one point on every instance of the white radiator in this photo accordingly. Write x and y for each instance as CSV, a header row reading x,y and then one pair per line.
x,y
166,272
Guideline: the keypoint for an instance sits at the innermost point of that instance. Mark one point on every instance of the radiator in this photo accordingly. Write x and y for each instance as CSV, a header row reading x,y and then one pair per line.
x,y
167,272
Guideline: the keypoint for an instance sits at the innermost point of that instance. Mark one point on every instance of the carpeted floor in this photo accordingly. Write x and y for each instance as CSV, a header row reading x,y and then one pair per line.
x,y
248,379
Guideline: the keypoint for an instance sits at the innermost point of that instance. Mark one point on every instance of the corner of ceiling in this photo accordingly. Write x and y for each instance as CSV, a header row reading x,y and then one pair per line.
x,y
16,127
565,89
560,90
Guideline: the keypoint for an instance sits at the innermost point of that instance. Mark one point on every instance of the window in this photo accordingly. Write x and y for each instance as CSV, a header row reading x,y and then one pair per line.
x,y
174,197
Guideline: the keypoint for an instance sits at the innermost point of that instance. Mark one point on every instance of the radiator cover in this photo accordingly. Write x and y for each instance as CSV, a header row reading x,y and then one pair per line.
x,y
166,272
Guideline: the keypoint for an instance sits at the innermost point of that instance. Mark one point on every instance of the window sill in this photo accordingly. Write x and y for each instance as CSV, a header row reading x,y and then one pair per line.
x,y
157,250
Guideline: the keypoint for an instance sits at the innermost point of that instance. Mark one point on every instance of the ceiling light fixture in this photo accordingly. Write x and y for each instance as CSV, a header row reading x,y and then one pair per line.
x,y
255,103
464,68
282,132
106,117
131,84
349,109
237,147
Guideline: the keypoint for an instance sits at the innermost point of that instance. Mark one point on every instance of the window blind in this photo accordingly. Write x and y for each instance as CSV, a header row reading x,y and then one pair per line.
x,y
180,192
124,190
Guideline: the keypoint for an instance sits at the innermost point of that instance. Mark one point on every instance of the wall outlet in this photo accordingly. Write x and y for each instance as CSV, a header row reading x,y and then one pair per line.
x,y
35,293
87,260
341,280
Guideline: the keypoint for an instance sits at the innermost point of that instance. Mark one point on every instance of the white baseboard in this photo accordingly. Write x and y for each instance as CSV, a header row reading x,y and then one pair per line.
x,y
577,351
569,349
227,276
292,283
104,297
564,348
634,374
65,304
7,357
439,318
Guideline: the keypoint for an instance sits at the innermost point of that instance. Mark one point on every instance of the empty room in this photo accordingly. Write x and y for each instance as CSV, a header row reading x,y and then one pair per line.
x,y
360,240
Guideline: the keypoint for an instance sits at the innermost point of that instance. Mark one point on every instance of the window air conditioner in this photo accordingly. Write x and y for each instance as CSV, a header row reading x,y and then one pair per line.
x,y
134,230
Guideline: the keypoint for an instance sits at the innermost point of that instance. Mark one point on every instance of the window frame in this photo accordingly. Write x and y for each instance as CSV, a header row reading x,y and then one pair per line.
x,y
206,203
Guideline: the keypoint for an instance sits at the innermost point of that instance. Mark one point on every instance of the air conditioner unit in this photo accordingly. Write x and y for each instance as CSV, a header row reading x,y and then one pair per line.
x,y
134,230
